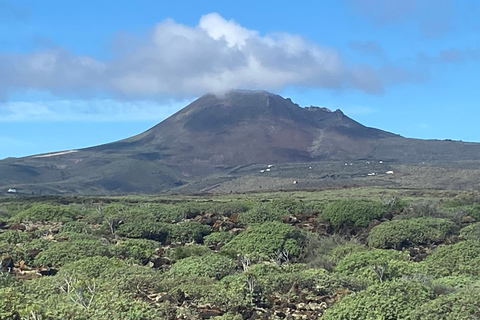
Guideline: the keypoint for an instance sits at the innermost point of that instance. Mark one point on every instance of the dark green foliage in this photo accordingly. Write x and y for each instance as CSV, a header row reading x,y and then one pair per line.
x,y
265,241
59,253
15,237
471,232
352,211
46,212
398,234
463,304
390,300
188,231
181,252
137,249
275,210
76,226
260,214
141,228
217,238
376,265
210,265
456,259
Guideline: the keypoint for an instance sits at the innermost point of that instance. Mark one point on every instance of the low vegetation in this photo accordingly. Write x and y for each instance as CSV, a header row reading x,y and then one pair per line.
x,y
259,256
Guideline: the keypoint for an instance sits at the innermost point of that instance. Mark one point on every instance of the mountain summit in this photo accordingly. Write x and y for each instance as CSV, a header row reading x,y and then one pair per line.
x,y
214,136
244,127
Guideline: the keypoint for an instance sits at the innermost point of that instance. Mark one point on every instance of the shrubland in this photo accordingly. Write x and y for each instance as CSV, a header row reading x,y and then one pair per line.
x,y
265,256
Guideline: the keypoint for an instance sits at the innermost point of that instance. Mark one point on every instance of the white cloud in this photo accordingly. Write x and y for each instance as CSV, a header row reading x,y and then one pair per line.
x,y
176,60
99,110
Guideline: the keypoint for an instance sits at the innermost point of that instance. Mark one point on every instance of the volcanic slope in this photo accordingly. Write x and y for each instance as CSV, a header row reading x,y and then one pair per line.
x,y
212,137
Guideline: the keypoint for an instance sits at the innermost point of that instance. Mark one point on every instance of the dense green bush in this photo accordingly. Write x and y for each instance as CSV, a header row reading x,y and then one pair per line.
x,y
76,226
217,238
389,300
15,237
471,232
188,231
398,234
210,265
146,229
259,214
376,265
463,304
456,259
46,212
265,241
137,249
59,253
352,211
185,251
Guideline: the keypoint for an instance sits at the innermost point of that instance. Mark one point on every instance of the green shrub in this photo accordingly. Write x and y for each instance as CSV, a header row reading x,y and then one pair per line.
x,y
15,236
389,300
141,228
91,267
210,265
76,226
265,241
463,304
181,252
376,265
217,238
259,214
462,258
59,253
46,212
352,211
398,234
188,231
471,232
136,249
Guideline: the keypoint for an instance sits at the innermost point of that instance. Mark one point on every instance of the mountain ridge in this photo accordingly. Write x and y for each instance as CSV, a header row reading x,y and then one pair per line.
x,y
213,135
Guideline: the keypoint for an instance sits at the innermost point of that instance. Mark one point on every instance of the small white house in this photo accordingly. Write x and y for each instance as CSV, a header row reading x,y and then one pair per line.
x,y
12,190
389,172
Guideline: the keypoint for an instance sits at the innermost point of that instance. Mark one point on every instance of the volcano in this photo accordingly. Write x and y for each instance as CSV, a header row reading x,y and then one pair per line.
x,y
214,136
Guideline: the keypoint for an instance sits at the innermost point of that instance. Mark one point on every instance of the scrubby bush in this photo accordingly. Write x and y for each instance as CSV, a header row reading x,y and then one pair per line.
x,y
398,234
376,265
389,300
141,228
471,232
267,240
181,252
76,226
46,212
137,249
259,214
456,259
352,211
216,239
188,231
15,237
211,265
59,253
463,304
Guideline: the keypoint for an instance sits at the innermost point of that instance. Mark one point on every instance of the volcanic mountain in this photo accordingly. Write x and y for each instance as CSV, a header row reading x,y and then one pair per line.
x,y
215,136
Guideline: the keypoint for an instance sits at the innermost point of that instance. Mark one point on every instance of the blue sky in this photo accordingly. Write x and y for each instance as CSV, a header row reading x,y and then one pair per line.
x,y
79,73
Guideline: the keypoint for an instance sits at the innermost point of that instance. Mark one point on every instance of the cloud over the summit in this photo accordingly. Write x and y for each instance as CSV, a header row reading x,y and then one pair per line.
x,y
180,60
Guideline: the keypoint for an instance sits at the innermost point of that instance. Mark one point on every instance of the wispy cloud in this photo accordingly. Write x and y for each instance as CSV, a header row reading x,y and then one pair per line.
x,y
183,61
100,110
